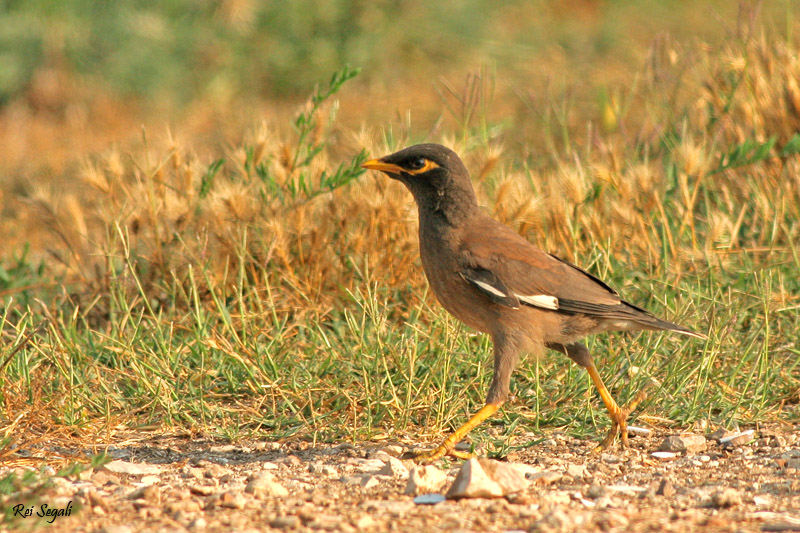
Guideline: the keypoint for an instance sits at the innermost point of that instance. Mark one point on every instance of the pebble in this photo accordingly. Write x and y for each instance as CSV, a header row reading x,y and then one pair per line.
x,y
264,485
198,524
369,482
665,456
213,470
132,469
202,490
150,493
665,488
577,471
285,522
737,439
726,498
689,443
395,468
232,500
394,450
784,523
365,522
473,481
639,432
429,499
626,489
595,491
423,479
547,477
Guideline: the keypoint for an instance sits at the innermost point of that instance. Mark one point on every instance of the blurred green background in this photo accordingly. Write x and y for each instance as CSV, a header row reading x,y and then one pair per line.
x,y
179,50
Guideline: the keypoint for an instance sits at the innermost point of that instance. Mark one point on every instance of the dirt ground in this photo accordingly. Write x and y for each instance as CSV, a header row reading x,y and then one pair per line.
x,y
171,484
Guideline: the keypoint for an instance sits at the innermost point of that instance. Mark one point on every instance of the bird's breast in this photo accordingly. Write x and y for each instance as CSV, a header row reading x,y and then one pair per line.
x,y
440,261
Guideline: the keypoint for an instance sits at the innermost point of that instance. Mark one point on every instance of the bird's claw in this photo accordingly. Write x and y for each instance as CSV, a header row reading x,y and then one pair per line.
x,y
429,456
619,420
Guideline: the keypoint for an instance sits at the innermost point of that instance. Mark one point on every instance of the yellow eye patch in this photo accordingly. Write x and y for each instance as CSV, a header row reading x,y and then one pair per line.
x,y
429,165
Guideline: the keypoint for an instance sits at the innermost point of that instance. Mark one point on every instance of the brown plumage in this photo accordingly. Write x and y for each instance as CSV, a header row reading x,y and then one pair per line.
x,y
495,281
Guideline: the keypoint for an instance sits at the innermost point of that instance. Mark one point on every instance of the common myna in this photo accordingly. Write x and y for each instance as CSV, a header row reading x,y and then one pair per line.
x,y
495,281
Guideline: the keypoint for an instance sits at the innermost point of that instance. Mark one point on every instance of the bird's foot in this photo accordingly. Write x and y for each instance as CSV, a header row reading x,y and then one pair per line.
x,y
429,456
619,420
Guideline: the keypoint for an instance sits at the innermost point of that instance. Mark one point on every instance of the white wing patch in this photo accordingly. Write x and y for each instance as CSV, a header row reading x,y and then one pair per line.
x,y
490,289
540,300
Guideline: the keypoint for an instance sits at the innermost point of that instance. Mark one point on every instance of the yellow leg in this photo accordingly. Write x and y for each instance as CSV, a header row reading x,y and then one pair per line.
x,y
619,416
447,447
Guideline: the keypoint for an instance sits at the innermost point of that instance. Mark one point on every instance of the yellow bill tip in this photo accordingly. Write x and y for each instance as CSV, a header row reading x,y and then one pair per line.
x,y
377,164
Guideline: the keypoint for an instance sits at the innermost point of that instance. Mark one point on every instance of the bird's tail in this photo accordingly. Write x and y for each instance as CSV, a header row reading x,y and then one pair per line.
x,y
649,321
652,322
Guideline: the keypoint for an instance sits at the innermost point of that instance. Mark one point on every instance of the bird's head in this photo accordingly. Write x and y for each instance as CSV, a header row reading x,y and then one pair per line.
x,y
435,176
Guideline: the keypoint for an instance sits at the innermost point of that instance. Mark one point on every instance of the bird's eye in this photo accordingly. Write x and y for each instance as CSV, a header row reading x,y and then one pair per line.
x,y
417,163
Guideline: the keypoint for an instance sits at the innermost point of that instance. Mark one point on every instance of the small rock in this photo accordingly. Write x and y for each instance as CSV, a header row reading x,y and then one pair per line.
x,y
665,488
264,485
473,481
784,523
202,490
365,522
424,479
690,444
737,439
191,472
232,500
198,524
546,477
291,460
184,506
610,458
215,471
726,498
612,520
326,522
429,499
554,520
380,455
150,493
369,482
639,432
719,434
352,480
626,489
102,477
510,476
132,469
595,491
577,471
285,522
394,450
395,468
368,465
665,456
761,501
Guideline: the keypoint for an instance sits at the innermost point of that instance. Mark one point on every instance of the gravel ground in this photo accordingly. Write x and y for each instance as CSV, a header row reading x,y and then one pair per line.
x,y
749,483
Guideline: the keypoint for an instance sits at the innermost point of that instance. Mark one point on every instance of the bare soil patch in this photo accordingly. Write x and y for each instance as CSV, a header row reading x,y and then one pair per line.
x,y
172,484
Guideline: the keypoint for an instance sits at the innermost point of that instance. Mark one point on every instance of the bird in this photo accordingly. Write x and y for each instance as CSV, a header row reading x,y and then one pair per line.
x,y
494,280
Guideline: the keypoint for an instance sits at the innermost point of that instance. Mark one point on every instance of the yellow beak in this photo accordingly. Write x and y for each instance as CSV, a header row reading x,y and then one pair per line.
x,y
377,164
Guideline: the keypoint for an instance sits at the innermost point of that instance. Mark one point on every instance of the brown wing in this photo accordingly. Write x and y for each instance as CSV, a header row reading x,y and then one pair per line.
x,y
527,271
538,279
